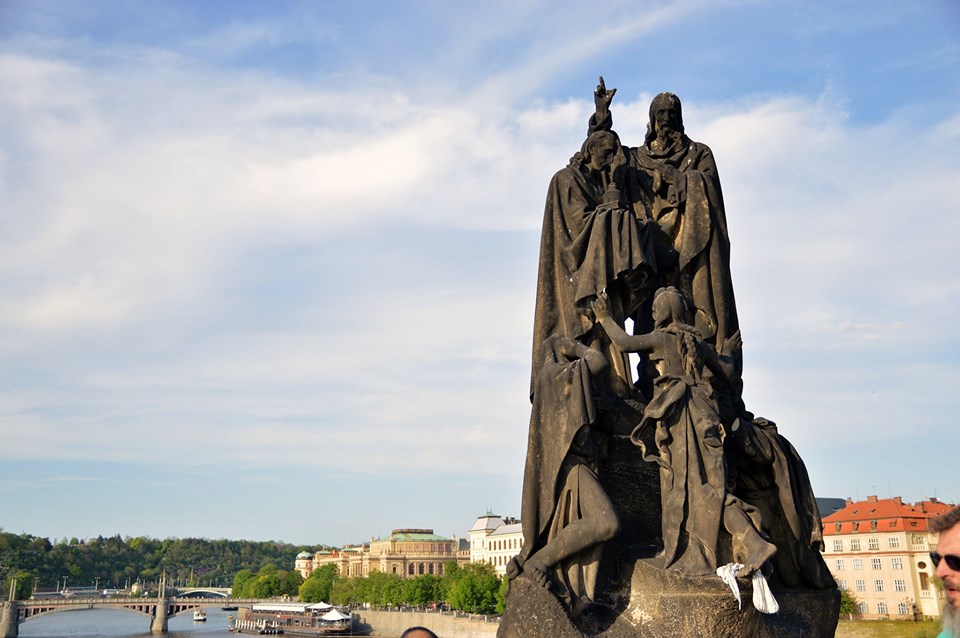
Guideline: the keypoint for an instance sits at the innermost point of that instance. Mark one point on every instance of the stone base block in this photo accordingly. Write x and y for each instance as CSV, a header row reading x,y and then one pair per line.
x,y
653,603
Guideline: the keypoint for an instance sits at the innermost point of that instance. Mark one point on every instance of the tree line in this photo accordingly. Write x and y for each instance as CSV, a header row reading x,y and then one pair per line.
x,y
115,562
474,588
252,568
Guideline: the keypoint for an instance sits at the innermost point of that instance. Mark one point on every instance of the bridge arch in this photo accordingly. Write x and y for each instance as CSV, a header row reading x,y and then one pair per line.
x,y
201,593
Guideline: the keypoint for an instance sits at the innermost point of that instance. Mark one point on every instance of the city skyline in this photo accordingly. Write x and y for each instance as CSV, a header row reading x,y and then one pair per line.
x,y
268,271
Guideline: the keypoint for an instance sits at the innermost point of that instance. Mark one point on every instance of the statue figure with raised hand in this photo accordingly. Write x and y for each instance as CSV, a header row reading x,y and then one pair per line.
x,y
589,243
688,442
644,504
673,180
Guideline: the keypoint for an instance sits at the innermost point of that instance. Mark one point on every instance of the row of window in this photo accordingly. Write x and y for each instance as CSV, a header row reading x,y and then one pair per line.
x,y
508,543
903,609
893,542
899,584
896,563
918,541
860,585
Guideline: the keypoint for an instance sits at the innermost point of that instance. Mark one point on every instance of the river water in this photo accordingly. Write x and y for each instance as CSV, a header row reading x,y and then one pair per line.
x,y
116,623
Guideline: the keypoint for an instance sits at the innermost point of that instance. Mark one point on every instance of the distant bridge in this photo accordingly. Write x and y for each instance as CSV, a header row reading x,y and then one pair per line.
x,y
12,613
204,592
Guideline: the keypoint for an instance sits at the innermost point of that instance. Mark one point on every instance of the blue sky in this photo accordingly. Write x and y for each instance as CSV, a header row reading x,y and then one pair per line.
x,y
267,270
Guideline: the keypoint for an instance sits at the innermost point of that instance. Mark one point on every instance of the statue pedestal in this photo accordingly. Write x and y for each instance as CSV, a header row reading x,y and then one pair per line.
x,y
653,603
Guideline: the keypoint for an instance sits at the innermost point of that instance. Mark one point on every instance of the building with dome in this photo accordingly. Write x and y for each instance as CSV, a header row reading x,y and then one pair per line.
x,y
407,552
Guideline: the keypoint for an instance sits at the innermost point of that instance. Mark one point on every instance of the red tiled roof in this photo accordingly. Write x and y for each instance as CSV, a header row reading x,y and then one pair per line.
x,y
883,515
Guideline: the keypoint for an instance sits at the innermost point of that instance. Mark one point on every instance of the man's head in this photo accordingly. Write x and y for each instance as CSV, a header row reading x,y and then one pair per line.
x,y
600,149
666,118
947,561
418,632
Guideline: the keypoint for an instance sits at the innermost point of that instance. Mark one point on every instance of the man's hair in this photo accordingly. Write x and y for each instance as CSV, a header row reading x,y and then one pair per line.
x,y
410,631
945,521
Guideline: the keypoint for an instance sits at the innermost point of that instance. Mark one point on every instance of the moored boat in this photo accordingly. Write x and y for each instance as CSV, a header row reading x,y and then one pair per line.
x,y
319,619
199,615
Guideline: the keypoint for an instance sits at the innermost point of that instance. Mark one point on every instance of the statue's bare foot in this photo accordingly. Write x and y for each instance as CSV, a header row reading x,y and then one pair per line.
x,y
537,573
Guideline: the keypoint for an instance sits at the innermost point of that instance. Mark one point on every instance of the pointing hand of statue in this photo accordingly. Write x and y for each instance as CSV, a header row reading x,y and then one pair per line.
x,y
603,96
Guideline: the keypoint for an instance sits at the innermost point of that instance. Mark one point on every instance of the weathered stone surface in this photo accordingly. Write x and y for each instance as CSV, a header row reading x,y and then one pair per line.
x,y
636,493
534,611
658,604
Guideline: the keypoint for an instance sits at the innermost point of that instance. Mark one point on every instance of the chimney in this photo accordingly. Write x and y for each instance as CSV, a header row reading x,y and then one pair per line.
x,y
898,500
872,499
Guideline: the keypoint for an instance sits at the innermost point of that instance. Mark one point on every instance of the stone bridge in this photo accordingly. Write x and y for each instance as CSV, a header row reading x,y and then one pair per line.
x,y
12,613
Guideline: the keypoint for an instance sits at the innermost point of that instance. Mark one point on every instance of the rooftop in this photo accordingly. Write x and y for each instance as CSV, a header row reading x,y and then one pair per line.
x,y
883,515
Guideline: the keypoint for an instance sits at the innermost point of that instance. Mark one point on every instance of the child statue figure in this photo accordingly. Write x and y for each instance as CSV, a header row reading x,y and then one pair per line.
x,y
688,443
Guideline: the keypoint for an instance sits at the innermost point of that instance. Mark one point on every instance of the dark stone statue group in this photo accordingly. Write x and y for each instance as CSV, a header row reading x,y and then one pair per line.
x,y
639,234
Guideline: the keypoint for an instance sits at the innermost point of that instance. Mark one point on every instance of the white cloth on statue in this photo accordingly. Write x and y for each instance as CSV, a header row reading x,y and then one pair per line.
x,y
763,598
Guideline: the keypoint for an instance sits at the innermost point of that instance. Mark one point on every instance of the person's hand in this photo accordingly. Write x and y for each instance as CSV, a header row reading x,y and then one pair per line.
x,y
732,344
601,305
602,97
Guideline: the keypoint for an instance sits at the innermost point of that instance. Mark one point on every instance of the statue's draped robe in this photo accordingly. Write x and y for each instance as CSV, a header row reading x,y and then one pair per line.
x,y
560,446
584,251
701,239
692,221
768,473
687,449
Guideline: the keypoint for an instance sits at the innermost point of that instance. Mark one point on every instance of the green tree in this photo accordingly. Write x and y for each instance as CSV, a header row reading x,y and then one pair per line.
x,y
475,589
240,581
346,591
848,603
319,586
25,581
421,590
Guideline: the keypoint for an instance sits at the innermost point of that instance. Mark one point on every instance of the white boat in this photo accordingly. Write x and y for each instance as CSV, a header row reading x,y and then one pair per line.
x,y
199,615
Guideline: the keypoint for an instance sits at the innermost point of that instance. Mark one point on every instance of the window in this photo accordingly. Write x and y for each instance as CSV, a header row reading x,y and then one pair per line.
x,y
861,585
862,608
839,564
873,526
856,526
902,609
837,545
918,540
896,562
924,581
875,563
900,584
878,584
836,529
873,543
893,542
855,545
881,608
842,584
857,564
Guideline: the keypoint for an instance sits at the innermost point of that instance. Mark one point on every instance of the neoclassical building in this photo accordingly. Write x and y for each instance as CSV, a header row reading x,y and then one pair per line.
x,y
495,540
405,552
879,551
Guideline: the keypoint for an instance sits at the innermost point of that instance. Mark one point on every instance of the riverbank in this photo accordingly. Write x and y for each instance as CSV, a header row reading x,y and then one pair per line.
x,y
887,629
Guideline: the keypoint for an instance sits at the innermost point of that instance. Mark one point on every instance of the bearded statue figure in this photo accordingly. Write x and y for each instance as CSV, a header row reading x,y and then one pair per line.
x,y
673,182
